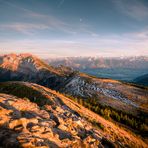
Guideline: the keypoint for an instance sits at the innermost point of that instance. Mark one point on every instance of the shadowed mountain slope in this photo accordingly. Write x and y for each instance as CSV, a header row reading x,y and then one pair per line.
x,y
142,80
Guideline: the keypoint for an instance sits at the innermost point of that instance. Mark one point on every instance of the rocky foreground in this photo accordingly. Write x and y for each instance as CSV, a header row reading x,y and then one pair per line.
x,y
56,121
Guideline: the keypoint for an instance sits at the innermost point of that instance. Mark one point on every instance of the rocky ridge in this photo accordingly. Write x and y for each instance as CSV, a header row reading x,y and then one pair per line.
x,y
58,122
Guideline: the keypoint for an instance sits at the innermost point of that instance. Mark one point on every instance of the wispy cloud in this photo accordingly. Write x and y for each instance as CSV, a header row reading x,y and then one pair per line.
x,y
25,28
39,21
46,22
133,8
139,36
128,44
61,3
84,39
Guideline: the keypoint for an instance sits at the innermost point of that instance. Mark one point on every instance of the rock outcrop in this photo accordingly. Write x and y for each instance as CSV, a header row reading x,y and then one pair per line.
x,y
59,122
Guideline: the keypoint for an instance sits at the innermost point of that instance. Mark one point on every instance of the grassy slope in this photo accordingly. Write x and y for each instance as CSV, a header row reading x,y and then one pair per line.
x,y
110,130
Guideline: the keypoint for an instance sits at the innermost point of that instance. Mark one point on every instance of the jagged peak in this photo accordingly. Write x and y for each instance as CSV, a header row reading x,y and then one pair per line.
x,y
27,61
13,61
20,56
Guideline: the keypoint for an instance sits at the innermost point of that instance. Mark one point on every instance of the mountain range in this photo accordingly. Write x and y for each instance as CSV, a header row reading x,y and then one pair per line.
x,y
120,68
47,106
101,62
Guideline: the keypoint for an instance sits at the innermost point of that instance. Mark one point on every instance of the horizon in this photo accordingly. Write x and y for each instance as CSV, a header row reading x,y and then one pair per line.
x,y
66,28
56,58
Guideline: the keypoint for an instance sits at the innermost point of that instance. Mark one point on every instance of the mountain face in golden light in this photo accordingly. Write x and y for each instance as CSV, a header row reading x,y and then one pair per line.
x,y
22,62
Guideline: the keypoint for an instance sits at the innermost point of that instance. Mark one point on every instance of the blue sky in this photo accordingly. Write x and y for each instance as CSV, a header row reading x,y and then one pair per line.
x,y
59,28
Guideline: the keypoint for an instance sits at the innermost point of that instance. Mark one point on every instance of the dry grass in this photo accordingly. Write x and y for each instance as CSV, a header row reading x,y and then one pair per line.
x,y
111,131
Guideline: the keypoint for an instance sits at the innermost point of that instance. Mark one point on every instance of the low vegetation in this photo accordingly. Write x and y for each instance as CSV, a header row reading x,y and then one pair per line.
x,y
138,124
23,91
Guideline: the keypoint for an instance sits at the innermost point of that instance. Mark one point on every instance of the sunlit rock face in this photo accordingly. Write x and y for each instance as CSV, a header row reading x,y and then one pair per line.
x,y
25,67
21,62
25,124
45,118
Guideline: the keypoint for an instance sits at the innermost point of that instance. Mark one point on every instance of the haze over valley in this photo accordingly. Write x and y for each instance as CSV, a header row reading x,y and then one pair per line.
x,y
119,68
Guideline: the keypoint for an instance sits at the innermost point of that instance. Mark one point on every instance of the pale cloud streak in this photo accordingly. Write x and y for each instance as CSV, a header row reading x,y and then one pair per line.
x,y
45,22
61,3
48,22
132,8
108,46
91,43
25,28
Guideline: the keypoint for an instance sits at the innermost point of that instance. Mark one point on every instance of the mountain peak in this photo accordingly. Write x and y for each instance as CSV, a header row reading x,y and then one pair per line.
x,y
15,61
21,55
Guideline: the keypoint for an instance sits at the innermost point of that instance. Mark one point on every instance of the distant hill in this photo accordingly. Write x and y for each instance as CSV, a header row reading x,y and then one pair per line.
x,y
125,69
142,80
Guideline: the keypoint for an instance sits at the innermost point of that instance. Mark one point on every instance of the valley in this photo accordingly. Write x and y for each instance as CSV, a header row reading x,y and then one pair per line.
x,y
124,69
122,74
